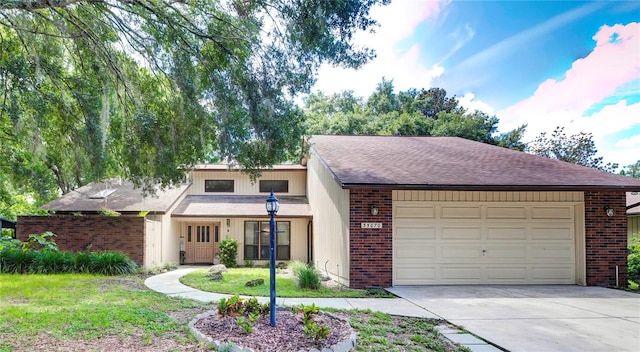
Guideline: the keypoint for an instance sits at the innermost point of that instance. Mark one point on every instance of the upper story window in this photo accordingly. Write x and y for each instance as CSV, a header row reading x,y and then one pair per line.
x,y
218,186
278,186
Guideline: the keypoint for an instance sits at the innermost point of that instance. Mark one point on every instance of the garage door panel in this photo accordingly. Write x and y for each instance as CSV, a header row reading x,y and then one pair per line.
x,y
507,274
506,232
461,233
416,274
465,273
557,254
463,253
458,212
506,212
553,233
555,274
427,212
505,253
551,212
417,251
415,233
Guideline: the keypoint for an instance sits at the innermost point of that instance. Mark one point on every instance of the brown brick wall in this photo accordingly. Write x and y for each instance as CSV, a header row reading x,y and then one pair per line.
x,y
370,249
605,238
76,233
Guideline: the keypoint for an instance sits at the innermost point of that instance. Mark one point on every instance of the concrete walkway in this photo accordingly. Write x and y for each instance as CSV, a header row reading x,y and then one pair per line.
x,y
169,284
537,318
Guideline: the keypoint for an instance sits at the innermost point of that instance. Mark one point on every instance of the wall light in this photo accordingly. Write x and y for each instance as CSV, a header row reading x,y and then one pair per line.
x,y
610,211
374,210
228,222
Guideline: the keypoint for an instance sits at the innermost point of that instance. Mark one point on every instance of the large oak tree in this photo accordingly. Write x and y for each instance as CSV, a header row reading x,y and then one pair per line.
x,y
147,88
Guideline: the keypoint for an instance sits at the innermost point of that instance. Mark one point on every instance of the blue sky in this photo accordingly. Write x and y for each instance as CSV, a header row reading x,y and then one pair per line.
x,y
545,63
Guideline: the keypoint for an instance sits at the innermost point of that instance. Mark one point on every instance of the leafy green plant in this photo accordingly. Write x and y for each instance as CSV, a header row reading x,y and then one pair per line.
x,y
308,278
311,328
10,243
229,252
43,241
248,263
633,259
245,325
634,286
108,212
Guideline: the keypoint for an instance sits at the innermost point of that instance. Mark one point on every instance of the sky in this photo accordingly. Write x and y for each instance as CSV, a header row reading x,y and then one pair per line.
x,y
548,64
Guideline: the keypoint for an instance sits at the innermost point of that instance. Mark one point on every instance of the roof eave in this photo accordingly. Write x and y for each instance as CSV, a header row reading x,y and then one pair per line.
x,y
528,188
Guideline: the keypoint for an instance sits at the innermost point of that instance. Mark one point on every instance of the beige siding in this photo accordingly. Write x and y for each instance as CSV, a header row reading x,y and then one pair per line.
x,y
479,196
330,205
235,230
633,225
243,184
153,243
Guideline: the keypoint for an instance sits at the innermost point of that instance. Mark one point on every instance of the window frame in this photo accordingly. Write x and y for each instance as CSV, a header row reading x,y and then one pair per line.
x,y
210,188
278,186
258,249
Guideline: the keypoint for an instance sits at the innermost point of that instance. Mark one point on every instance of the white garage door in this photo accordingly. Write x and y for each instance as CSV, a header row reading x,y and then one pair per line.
x,y
487,243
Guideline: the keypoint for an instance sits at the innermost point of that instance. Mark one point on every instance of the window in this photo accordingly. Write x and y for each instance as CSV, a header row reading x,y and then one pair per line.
x,y
278,186
218,186
256,240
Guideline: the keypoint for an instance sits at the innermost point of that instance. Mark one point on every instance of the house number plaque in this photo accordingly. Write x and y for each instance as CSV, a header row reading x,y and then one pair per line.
x,y
371,225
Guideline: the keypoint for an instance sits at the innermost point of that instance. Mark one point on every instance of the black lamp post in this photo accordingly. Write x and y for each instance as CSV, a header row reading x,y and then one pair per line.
x,y
272,210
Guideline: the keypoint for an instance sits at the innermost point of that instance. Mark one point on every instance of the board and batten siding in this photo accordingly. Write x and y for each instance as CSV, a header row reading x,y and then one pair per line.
x,y
483,196
243,184
330,205
235,231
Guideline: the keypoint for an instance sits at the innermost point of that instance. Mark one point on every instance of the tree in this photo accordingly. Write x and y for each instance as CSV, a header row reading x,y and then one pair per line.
x,y
146,89
577,149
632,170
408,113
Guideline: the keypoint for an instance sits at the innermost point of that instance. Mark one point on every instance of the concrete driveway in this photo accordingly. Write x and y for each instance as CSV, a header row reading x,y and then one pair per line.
x,y
537,318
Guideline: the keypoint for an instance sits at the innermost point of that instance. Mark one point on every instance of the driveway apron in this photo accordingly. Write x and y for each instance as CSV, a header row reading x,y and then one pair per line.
x,y
537,318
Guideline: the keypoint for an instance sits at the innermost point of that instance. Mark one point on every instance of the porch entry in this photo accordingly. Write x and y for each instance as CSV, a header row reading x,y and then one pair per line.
x,y
201,242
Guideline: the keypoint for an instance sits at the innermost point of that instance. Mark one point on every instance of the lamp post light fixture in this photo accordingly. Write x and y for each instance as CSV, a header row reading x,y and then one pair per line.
x,y
272,209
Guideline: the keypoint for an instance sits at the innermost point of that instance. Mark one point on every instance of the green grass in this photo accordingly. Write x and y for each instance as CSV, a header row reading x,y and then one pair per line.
x,y
102,313
84,307
382,332
233,283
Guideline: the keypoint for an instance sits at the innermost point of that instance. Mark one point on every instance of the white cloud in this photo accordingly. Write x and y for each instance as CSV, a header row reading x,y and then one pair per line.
x,y
612,64
469,102
397,22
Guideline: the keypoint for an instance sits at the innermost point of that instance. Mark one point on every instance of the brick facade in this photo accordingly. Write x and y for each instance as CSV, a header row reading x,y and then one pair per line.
x,y
605,238
75,233
371,250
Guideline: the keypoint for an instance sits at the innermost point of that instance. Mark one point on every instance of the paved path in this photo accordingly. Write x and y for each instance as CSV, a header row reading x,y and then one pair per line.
x,y
169,284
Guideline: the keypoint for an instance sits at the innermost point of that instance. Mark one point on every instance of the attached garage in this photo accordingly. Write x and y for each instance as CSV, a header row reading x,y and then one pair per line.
x,y
449,211
440,242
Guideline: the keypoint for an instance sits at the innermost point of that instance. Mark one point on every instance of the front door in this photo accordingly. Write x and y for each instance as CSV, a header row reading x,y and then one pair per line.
x,y
200,243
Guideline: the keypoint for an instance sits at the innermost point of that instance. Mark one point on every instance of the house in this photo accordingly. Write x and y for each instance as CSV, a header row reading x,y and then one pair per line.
x,y
633,214
384,211
187,223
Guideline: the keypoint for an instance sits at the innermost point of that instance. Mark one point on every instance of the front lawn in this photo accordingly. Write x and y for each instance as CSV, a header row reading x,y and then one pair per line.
x,y
81,312
233,282
89,312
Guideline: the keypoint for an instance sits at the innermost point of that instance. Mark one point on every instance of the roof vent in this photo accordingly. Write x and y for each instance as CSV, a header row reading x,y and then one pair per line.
x,y
102,194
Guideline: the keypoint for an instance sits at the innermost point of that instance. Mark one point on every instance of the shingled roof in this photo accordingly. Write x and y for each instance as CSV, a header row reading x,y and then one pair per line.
x,y
452,163
118,195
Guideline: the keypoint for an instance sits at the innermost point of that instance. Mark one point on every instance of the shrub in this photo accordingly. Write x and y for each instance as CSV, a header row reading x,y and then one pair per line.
x,y
633,260
229,252
112,263
15,261
47,262
308,277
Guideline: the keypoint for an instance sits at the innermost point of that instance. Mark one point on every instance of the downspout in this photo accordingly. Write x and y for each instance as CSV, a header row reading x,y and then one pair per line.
x,y
310,242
